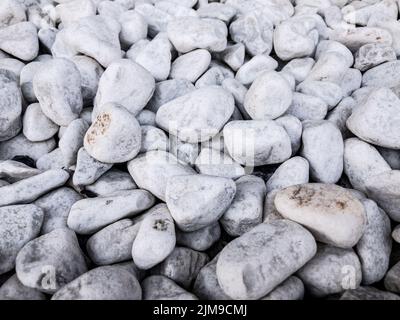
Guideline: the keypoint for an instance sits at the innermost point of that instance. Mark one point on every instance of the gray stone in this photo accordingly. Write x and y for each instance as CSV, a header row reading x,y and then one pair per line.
x,y
368,293
290,289
110,182
199,240
13,289
162,288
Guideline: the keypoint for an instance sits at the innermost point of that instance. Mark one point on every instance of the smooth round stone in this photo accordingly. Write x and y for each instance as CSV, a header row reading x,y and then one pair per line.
x,y
291,172
12,12
88,169
125,83
244,262
323,148
331,270
21,146
18,225
89,215
29,189
331,212
256,143
299,68
52,160
375,245
113,124
20,40
14,171
329,92
102,283
199,240
307,107
133,28
51,261
378,119
153,169
156,18
269,96
162,288
198,115
396,234
385,75
146,118
212,77
72,140
329,67
197,201
373,54
384,188
13,289
25,80
368,293
167,91
290,289
238,91
206,285
36,126
246,209
56,206
153,138
294,129
234,56
110,182
10,106
190,66
361,161
182,266
158,226
113,243
189,33
253,68
57,86
215,163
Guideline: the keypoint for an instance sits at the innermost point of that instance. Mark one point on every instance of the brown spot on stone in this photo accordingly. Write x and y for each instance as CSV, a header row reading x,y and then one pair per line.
x,y
160,225
99,127
302,195
341,205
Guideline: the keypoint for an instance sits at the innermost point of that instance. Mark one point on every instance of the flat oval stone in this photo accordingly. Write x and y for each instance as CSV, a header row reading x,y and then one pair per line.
x,y
307,107
89,215
269,96
72,140
14,171
331,212
18,225
13,289
158,226
51,261
102,283
125,83
198,115
253,68
57,86
162,288
113,124
36,126
277,249
199,240
153,169
190,66
196,201
266,142
110,182
189,33
368,293
290,289
385,75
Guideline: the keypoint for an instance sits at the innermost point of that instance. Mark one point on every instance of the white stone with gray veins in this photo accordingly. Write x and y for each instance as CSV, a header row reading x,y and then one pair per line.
x,y
157,19
110,182
266,142
14,171
234,56
375,245
294,128
215,163
385,75
269,96
197,201
113,243
190,66
384,188
146,118
29,189
158,226
12,12
189,33
95,36
153,169
307,107
185,152
323,148
199,240
377,120
361,161
13,289
162,288
25,80
253,68
102,283
299,68
182,266
56,206
341,113
72,140
20,40
330,92
373,54
36,126
368,293
246,209
72,11
331,270
10,106
198,115
247,268
57,252
153,138
290,289
57,86
292,172
87,216
88,169
332,213
18,225
52,160
126,83
133,28
113,123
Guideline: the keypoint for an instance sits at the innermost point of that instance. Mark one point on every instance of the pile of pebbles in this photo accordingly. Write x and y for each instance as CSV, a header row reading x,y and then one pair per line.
x,y
198,149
